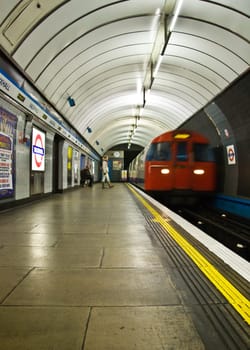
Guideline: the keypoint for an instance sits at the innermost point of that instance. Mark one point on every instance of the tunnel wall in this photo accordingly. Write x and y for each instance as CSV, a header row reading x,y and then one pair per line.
x,y
226,122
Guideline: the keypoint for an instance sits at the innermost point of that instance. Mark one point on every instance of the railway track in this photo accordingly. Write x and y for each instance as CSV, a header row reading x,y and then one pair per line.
x,y
231,231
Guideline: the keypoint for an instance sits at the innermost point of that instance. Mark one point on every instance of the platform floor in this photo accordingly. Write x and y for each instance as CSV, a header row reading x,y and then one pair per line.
x,y
83,270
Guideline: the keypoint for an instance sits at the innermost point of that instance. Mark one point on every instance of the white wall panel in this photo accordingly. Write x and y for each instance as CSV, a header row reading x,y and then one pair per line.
x,y
48,176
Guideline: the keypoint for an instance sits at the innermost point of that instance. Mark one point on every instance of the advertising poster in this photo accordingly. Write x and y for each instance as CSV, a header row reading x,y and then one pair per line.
x,y
8,122
117,165
69,165
76,167
38,150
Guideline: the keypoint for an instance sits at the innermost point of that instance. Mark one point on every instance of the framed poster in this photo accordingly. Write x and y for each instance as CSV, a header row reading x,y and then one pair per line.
x,y
8,122
117,165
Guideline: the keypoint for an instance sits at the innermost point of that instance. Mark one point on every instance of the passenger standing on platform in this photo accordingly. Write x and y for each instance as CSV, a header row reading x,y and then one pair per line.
x,y
105,172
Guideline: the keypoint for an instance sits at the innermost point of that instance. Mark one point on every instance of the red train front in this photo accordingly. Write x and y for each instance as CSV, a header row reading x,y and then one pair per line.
x,y
176,164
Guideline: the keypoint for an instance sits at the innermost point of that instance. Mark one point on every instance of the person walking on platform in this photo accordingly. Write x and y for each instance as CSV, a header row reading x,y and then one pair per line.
x,y
105,172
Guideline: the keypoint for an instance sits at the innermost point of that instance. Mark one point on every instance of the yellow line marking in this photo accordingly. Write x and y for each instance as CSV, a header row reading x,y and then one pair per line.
x,y
239,302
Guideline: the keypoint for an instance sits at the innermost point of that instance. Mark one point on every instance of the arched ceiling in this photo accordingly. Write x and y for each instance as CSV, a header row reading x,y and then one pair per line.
x,y
104,54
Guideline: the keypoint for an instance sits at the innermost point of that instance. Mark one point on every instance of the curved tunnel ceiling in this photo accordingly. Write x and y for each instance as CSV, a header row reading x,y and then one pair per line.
x,y
105,54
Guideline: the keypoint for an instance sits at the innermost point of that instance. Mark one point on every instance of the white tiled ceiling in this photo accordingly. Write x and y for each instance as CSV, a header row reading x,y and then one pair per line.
x,y
103,53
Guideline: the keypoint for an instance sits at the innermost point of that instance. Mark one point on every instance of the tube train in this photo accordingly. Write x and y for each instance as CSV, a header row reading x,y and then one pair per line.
x,y
177,166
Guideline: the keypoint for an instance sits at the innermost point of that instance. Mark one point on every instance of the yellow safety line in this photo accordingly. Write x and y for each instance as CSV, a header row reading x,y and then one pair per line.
x,y
234,297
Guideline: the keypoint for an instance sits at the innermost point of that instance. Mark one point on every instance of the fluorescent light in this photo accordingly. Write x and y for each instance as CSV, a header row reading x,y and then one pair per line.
x,y
176,14
158,11
157,66
147,95
141,110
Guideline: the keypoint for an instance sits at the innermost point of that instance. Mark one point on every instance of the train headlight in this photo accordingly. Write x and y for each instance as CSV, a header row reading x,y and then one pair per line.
x,y
165,171
199,171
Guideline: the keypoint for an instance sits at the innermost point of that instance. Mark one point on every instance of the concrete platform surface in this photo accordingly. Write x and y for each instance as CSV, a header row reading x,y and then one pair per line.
x,y
82,271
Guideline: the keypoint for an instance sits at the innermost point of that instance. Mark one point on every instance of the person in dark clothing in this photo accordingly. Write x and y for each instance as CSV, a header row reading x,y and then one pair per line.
x,y
86,175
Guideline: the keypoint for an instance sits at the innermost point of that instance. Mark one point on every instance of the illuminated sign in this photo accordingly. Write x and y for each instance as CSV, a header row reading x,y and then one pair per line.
x,y
38,150
181,136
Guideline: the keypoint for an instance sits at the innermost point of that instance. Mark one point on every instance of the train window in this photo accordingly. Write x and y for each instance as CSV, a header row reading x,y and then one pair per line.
x,y
181,151
203,153
159,151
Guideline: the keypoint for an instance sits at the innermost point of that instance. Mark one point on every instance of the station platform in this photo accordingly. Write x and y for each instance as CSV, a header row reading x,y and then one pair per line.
x,y
100,269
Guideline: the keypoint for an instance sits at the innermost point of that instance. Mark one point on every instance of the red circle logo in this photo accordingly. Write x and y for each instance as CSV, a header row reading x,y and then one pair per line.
x,y
38,150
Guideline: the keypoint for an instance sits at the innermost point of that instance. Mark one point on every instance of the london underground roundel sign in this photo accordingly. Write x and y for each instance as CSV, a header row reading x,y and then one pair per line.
x,y
231,155
38,150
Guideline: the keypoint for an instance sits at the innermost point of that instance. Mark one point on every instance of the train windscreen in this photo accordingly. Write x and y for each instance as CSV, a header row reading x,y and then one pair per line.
x,y
159,151
181,151
203,153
